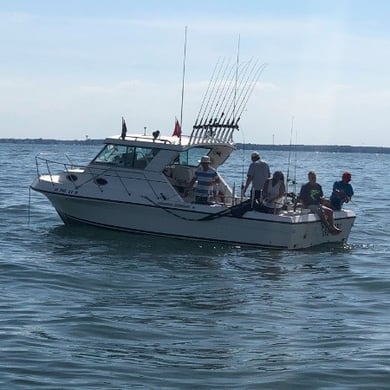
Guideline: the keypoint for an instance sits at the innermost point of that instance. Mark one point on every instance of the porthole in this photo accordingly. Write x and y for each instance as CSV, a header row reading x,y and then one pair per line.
x,y
100,181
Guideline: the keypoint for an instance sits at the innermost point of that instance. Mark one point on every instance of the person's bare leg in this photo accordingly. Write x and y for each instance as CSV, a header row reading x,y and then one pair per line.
x,y
327,215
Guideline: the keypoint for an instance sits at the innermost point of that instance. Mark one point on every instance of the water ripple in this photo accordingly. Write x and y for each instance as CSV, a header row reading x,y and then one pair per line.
x,y
87,308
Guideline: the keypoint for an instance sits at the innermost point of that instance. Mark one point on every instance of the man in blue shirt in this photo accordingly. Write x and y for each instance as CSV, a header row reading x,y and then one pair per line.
x,y
342,192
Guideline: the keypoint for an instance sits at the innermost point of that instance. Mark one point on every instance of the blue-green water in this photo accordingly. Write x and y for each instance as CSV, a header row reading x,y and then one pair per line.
x,y
83,308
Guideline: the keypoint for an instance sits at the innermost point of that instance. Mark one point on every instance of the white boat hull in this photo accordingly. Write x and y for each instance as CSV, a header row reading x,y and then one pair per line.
x,y
287,231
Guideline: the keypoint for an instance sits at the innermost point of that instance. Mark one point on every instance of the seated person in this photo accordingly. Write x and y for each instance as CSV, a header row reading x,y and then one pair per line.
x,y
273,194
311,196
342,192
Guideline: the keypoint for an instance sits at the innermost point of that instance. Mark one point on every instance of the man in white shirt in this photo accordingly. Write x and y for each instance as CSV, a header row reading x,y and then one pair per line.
x,y
258,173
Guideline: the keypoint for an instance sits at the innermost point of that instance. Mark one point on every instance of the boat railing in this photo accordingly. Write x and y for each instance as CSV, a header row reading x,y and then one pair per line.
x,y
53,167
147,138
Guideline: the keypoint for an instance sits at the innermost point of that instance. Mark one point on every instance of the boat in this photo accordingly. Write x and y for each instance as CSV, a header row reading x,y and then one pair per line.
x,y
139,183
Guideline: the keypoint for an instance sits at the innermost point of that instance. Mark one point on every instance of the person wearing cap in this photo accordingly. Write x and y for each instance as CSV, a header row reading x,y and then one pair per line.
x,y
206,177
258,173
342,192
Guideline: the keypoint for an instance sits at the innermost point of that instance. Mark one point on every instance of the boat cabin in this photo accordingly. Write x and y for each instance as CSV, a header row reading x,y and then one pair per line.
x,y
176,159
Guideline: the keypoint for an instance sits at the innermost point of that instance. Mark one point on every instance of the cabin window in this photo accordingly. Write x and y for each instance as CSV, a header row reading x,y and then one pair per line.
x,y
192,156
143,156
112,154
126,156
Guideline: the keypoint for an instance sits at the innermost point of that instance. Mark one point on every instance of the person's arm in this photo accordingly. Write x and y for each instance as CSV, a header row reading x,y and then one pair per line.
x,y
192,182
321,192
189,187
248,181
348,194
302,196
282,190
338,192
264,190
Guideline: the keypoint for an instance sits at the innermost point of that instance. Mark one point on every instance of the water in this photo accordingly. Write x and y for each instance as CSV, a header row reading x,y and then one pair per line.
x,y
85,308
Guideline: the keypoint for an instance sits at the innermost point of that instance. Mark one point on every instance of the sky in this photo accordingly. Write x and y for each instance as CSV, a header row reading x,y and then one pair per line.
x,y
72,69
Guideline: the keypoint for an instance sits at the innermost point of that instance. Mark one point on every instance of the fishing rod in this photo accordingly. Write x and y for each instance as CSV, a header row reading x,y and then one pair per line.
x,y
242,165
207,91
226,93
217,96
230,96
236,78
224,102
209,118
206,108
246,93
242,86
289,155
249,88
225,116
249,91
225,88
295,162
226,120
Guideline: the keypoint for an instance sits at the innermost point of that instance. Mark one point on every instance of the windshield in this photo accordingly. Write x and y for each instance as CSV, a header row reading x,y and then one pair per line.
x,y
126,156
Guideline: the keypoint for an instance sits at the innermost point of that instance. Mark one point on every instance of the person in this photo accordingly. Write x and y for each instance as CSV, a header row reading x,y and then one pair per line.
x,y
258,173
207,177
311,195
342,192
274,190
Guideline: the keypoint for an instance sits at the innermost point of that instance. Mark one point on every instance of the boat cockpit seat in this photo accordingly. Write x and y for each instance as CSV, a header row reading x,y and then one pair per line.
x,y
182,175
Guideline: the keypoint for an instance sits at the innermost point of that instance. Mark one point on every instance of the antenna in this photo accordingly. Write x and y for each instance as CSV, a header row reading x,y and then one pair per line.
x,y
184,73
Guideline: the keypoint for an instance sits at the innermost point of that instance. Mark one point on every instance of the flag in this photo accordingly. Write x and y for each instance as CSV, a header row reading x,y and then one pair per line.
x,y
124,129
177,130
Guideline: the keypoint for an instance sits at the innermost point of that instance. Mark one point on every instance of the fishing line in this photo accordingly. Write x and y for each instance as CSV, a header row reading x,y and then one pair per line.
x,y
29,206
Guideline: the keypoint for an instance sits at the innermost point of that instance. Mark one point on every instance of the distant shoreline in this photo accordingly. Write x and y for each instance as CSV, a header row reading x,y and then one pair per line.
x,y
317,148
249,146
